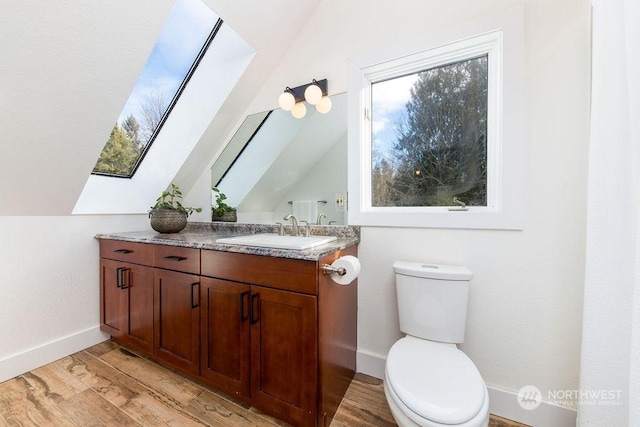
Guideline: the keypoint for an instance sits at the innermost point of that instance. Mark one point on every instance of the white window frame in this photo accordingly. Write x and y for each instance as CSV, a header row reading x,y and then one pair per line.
x,y
501,38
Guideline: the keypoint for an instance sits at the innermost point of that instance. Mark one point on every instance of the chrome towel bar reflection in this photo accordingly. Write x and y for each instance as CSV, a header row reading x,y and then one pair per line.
x,y
317,201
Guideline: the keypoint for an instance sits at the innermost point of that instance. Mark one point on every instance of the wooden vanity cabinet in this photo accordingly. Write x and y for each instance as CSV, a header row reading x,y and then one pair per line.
x,y
284,354
225,353
276,304
259,343
274,332
177,320
126,294
176,302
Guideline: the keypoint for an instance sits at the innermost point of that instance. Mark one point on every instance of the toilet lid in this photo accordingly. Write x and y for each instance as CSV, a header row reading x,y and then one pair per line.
x,y
435,380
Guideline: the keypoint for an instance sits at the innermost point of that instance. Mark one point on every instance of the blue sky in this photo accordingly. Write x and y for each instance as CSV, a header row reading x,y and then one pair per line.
x,y
388,99
182,37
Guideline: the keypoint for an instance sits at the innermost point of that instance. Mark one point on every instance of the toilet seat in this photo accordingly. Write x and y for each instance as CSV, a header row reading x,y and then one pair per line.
x,y
436,383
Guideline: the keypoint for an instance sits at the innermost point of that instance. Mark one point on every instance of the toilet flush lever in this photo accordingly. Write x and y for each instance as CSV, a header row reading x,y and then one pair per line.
x,y
327,269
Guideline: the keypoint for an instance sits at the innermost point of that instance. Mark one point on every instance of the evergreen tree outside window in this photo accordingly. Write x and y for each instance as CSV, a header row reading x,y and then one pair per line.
x,y
434,147
189,30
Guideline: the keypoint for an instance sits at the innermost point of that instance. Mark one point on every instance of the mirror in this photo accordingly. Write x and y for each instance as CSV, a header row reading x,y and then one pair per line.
x,y
276,164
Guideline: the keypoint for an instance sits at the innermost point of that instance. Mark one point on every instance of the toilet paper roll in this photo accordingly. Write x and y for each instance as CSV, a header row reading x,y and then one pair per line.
x,y
351,264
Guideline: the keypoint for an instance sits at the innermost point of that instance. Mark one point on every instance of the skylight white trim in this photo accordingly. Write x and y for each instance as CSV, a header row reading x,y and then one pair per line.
x,y
218,72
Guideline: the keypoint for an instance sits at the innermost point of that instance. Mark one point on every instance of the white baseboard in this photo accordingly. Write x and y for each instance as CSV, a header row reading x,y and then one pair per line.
x,y
370,363
25,361
502,403
505,404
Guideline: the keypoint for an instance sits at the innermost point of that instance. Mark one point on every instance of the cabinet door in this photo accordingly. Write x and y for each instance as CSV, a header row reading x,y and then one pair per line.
x,y
284,354
137,286
177,320
126,309
225,331
112,299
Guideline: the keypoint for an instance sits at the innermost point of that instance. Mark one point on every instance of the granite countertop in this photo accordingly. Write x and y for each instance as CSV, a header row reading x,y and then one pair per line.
x,y
203,235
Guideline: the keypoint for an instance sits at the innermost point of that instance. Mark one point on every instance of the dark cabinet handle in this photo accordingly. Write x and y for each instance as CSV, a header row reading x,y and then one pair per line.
x,y
123,277
254,305
123,251
243,317
125,274
175,258
119,277
195,301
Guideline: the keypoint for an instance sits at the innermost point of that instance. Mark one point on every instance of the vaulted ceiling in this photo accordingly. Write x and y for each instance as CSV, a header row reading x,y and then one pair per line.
x,y
68,68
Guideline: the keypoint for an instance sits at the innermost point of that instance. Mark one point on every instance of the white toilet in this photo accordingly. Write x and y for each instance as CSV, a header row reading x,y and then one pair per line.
x,y
428,381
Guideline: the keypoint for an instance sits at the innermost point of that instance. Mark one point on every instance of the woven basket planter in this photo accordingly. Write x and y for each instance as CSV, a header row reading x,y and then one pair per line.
x,y
167,220
226,217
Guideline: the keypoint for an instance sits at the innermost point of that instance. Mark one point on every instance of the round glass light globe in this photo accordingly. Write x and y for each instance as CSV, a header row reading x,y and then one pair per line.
x,y
313,94
286,101
299,110
324,106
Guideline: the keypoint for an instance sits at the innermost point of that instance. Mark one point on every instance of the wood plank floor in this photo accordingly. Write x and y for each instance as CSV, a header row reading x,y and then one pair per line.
x,y
106,385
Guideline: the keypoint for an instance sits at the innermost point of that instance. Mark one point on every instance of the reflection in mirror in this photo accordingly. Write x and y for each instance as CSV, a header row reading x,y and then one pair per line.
x,y
235,146
276,165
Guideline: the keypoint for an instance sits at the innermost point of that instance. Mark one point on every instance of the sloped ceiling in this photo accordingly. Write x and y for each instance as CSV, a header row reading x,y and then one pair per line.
x,y
265,24
270,27
67,69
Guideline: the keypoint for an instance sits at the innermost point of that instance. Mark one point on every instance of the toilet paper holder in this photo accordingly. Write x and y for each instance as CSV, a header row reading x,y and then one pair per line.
x,y
328,269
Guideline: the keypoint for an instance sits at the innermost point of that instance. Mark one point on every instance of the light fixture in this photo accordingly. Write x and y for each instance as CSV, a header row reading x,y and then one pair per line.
x,y
324,106
287,100
299,110
314,93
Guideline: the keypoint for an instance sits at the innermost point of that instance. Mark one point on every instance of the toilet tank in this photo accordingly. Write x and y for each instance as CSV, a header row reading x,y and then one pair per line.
x,y
432,300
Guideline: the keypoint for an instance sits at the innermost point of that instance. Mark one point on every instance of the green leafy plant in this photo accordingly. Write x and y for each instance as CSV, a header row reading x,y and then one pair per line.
x,y
169,200
220,207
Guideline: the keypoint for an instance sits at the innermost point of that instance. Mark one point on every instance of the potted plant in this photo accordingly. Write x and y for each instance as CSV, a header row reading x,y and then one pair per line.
x,y
222,211
168,215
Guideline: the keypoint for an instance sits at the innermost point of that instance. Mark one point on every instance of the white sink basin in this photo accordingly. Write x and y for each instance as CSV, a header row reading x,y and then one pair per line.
x,y
297,243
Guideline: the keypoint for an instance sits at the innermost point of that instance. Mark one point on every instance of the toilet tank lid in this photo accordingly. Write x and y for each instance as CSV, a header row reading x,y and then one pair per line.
x,y
432,271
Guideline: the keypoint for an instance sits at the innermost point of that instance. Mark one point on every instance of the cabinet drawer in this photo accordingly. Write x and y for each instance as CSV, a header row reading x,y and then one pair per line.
x,y
280,273
135,253
176,258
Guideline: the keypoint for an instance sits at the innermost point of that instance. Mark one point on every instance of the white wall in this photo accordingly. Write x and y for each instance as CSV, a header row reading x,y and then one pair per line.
x,y
50,286
524,323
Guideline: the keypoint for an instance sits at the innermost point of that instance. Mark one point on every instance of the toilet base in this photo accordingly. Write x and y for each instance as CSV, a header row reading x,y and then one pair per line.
x,y
404,421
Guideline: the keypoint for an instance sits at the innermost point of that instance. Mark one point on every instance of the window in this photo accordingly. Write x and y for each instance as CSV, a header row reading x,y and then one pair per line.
x,y
434,138
189,31
429,137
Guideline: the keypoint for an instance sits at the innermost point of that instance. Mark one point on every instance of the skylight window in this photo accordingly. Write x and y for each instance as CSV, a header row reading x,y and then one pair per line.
x,y
187,34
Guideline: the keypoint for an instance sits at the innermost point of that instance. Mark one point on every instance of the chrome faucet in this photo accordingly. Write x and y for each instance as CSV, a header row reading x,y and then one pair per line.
x,y
319,221
280,228
307,228
294,222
